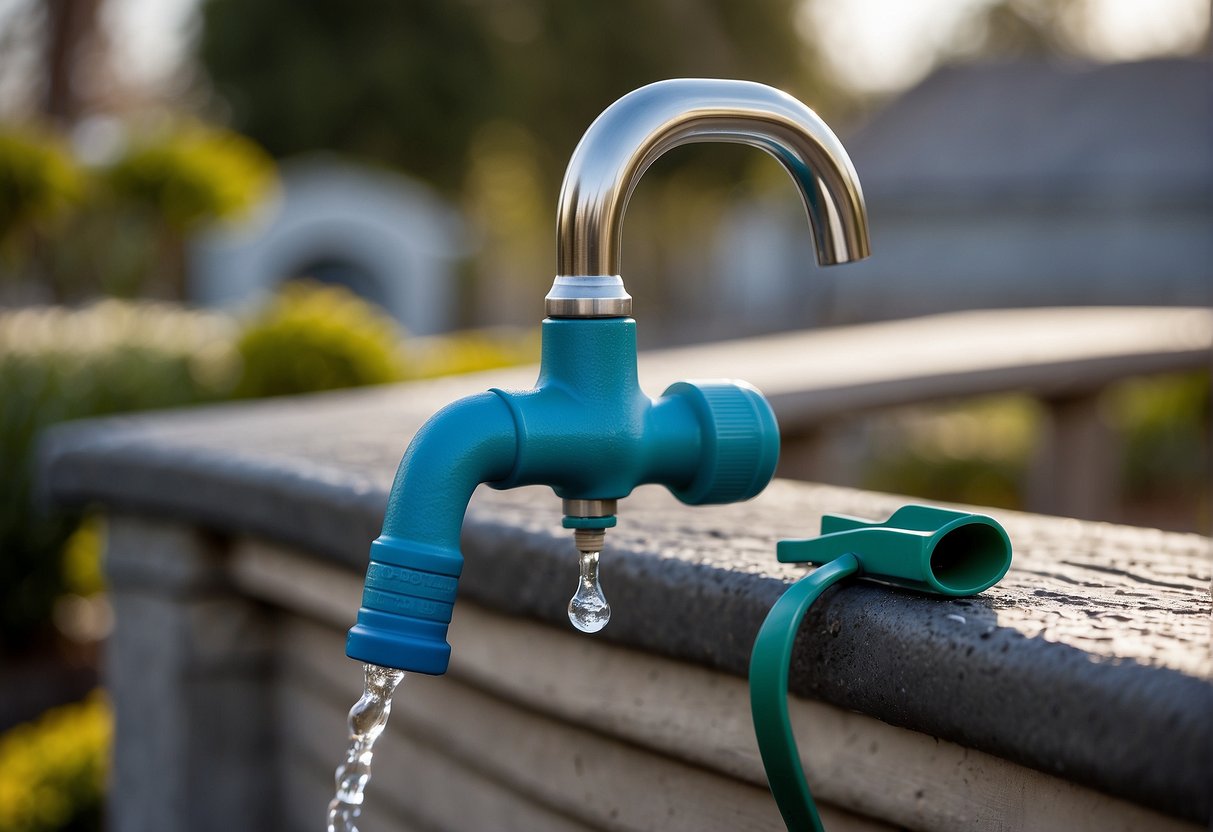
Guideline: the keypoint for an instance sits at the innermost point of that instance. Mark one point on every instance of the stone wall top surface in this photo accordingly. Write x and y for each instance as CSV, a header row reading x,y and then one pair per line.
x,y
1091,660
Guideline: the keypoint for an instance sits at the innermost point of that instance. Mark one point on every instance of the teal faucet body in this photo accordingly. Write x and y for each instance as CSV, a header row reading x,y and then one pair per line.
x,y
588,431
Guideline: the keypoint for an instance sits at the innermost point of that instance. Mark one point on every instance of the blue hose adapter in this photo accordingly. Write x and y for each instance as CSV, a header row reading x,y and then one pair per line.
x,y
415,563
406,609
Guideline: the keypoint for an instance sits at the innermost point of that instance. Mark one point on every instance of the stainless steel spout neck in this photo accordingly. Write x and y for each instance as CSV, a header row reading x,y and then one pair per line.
x,y
637,129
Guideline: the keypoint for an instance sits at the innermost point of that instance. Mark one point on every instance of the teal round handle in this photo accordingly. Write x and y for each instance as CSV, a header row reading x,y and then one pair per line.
x,y
769,669
740,441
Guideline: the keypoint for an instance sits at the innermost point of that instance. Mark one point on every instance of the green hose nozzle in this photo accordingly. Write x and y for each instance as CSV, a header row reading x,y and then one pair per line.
x,y
920,547
923,548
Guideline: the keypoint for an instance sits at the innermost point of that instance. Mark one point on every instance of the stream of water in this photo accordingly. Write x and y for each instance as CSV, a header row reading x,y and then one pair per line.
x,y
366,721
588,611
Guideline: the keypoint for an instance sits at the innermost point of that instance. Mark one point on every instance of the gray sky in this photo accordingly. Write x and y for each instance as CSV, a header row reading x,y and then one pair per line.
x,y
884,45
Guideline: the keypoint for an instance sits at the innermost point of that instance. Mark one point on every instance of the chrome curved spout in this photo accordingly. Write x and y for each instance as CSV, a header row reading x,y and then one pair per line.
x,y
637,129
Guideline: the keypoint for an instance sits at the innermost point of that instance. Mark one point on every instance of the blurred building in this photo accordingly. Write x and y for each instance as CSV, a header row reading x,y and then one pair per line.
x,y
1009,185
382,235
1001,185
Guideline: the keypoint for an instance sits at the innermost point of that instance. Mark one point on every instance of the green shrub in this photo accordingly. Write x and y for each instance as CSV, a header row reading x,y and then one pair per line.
x,y
314,337
1166,421
973,452
115,356
192,174
979,452
58,364
38,180
164,187
471,351
53,770
126,231
81,564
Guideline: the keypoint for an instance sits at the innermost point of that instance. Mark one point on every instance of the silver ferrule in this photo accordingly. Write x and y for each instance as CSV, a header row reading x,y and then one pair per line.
x,y
602,296
589,508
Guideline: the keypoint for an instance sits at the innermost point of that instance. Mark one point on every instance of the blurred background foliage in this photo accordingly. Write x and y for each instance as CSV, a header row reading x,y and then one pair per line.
x,y
313,337
974,452
485,101
191,174
117,356
1165,424
105,179
58,364
175,180
70,231
414,84
979,452
53,770
120,228
38,181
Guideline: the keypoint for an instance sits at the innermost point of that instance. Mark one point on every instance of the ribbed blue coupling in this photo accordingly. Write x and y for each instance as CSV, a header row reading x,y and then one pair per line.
x,y
406,607
740,441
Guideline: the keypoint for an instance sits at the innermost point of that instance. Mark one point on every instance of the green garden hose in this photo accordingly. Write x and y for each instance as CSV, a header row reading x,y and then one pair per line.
x,y
769,667
923,548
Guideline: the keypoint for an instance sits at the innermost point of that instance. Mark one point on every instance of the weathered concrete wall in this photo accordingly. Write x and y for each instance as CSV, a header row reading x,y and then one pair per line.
x,y
188,668
1087,666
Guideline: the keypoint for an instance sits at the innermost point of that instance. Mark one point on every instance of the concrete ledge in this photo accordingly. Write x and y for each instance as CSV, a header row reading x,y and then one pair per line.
x,y
1089,663
571,698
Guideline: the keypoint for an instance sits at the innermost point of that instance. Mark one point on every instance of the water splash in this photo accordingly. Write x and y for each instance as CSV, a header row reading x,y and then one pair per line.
x,y
367,720
588,609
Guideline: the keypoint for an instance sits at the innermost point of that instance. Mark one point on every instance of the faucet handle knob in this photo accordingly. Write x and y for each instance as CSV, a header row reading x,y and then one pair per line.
x,y
739,436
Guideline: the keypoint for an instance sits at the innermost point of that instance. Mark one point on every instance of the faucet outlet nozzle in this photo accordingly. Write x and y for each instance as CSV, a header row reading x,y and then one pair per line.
x,y
589,540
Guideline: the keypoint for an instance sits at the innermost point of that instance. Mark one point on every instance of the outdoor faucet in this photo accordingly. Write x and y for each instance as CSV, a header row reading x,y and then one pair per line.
x,y
587,430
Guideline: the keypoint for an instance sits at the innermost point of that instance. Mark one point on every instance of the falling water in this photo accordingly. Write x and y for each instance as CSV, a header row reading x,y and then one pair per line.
x,y
588,609
367,720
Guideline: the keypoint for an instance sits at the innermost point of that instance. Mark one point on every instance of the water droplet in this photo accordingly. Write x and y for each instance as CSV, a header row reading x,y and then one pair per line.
x,y
366,722
588,609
